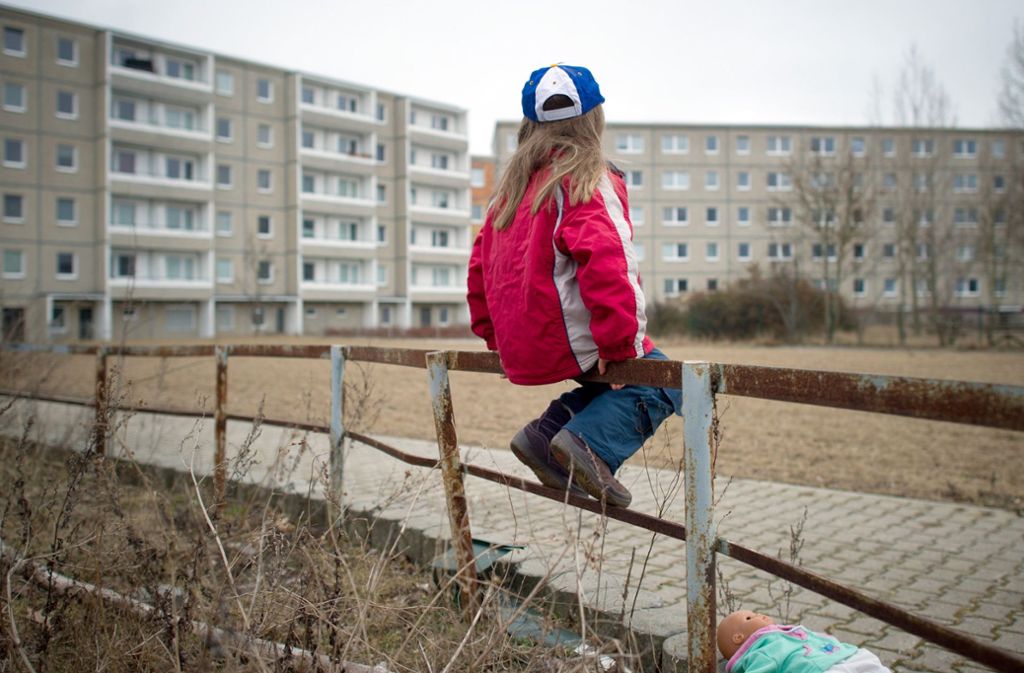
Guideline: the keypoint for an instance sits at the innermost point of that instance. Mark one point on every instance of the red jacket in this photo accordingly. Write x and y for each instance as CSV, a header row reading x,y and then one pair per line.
x,y
554,291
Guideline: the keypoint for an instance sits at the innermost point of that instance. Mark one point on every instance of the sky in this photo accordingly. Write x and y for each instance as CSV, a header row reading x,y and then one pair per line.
x,y
783,62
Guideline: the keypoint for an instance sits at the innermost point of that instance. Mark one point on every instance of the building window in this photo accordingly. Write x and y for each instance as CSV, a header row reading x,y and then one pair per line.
x,y
998,149
66,267
742,144
965,183
778,145
889,147
263,182
675,252
264,90
264,136
178,68
965,217
380,152
967,287
382,112
308,139
66,211
476,177
860,287
265,272
675,286
629,143
224,129
225,83
634,179
225,223
780,251
639,251
889,287
14,41
263,227
57,320
889,250
14,153
922,147
308,95
743,216
858,251
675,180
67,160
712,284
675,143
382,194
889,182
743,252
743,181
180,319
675,216
636,215
711,145
711,216
964,148
817,249
965,253
858,147
711,181
14,97
225,270
780,217
823,145
778,181
14,264
308,272
67,105
711,251
223,176
14,208
382,234
999,183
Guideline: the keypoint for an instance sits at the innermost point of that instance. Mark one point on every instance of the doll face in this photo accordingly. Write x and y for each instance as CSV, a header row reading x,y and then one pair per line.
x,y
737,627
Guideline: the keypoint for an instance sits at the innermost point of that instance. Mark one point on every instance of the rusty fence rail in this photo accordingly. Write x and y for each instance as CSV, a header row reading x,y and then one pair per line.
x,y
997,406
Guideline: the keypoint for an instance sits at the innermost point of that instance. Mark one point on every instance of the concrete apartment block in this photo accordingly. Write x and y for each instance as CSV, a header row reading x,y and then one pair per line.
x,y
153,190
710,202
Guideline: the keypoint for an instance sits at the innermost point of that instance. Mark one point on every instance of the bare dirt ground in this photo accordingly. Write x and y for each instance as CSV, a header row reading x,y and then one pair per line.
x,y
761,439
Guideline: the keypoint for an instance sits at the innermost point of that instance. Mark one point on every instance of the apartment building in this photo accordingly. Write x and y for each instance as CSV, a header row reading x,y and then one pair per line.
x,y
482,175
710,202
153,190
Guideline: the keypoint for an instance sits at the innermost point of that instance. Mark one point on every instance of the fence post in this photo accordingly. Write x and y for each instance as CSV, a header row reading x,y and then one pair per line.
x,y
100,431
337,456
698,409
220,428
451,472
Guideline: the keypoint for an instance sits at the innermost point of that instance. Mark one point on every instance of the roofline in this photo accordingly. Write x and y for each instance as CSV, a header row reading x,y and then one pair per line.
x,y
794,127
117,32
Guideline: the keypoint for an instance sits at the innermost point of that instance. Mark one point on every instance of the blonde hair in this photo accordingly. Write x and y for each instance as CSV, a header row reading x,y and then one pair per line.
x,y
570,147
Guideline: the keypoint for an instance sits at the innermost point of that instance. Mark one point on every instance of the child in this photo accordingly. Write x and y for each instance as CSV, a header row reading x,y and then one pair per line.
x,y
754,643
554,288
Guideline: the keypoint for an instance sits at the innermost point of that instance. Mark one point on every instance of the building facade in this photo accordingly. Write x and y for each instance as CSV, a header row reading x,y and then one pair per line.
x,y
890,217
153,190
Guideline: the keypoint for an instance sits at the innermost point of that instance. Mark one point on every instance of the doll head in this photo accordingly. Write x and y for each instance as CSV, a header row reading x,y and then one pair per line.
x,y
737,627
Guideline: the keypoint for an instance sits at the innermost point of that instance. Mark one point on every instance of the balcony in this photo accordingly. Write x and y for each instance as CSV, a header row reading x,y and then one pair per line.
x,y
332,117
151,184
444,177
362,163
156,135
330,247
140,69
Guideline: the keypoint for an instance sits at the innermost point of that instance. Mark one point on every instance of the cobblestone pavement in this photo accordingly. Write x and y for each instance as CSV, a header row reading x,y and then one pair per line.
x,y
959,565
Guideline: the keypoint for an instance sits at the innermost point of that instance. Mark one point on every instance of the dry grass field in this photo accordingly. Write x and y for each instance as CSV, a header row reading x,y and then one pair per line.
x,y
761,439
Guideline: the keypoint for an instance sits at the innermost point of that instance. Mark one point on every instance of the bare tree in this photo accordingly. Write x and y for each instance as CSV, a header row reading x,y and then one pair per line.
x,y
1011,93
920,102
834,199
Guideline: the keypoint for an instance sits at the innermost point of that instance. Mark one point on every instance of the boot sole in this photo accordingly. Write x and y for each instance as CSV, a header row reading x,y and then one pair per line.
x,y
576,465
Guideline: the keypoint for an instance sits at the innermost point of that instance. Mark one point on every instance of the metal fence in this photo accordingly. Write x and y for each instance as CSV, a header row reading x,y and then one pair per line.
x,y
997,406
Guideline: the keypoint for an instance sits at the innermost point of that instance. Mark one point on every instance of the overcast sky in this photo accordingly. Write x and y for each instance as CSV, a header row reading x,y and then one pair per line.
x,y
787,61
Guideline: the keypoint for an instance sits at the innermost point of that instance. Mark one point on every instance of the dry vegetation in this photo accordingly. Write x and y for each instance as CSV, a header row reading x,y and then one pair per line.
x,y
254,585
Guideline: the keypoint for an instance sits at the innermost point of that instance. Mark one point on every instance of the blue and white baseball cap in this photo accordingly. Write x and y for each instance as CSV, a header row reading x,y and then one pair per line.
x,y
565,80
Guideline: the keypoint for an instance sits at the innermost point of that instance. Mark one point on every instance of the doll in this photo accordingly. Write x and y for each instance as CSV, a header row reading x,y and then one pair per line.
x,y
754,643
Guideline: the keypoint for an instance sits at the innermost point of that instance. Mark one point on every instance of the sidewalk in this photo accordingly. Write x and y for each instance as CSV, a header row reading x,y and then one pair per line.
x,y
957,564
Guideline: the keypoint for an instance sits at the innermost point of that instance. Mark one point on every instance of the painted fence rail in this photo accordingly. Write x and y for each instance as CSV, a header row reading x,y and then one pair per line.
x,y
990,405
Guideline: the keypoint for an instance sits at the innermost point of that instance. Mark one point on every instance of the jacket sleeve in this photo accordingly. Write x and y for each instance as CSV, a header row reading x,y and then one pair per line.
x,y
479,315
598,236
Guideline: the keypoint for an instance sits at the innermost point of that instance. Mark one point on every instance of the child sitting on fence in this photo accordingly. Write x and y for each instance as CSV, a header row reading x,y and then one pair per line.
x,y
554,288
754,643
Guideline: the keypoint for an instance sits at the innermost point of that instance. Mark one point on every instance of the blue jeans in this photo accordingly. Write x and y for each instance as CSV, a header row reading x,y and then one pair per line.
x,y
616,423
